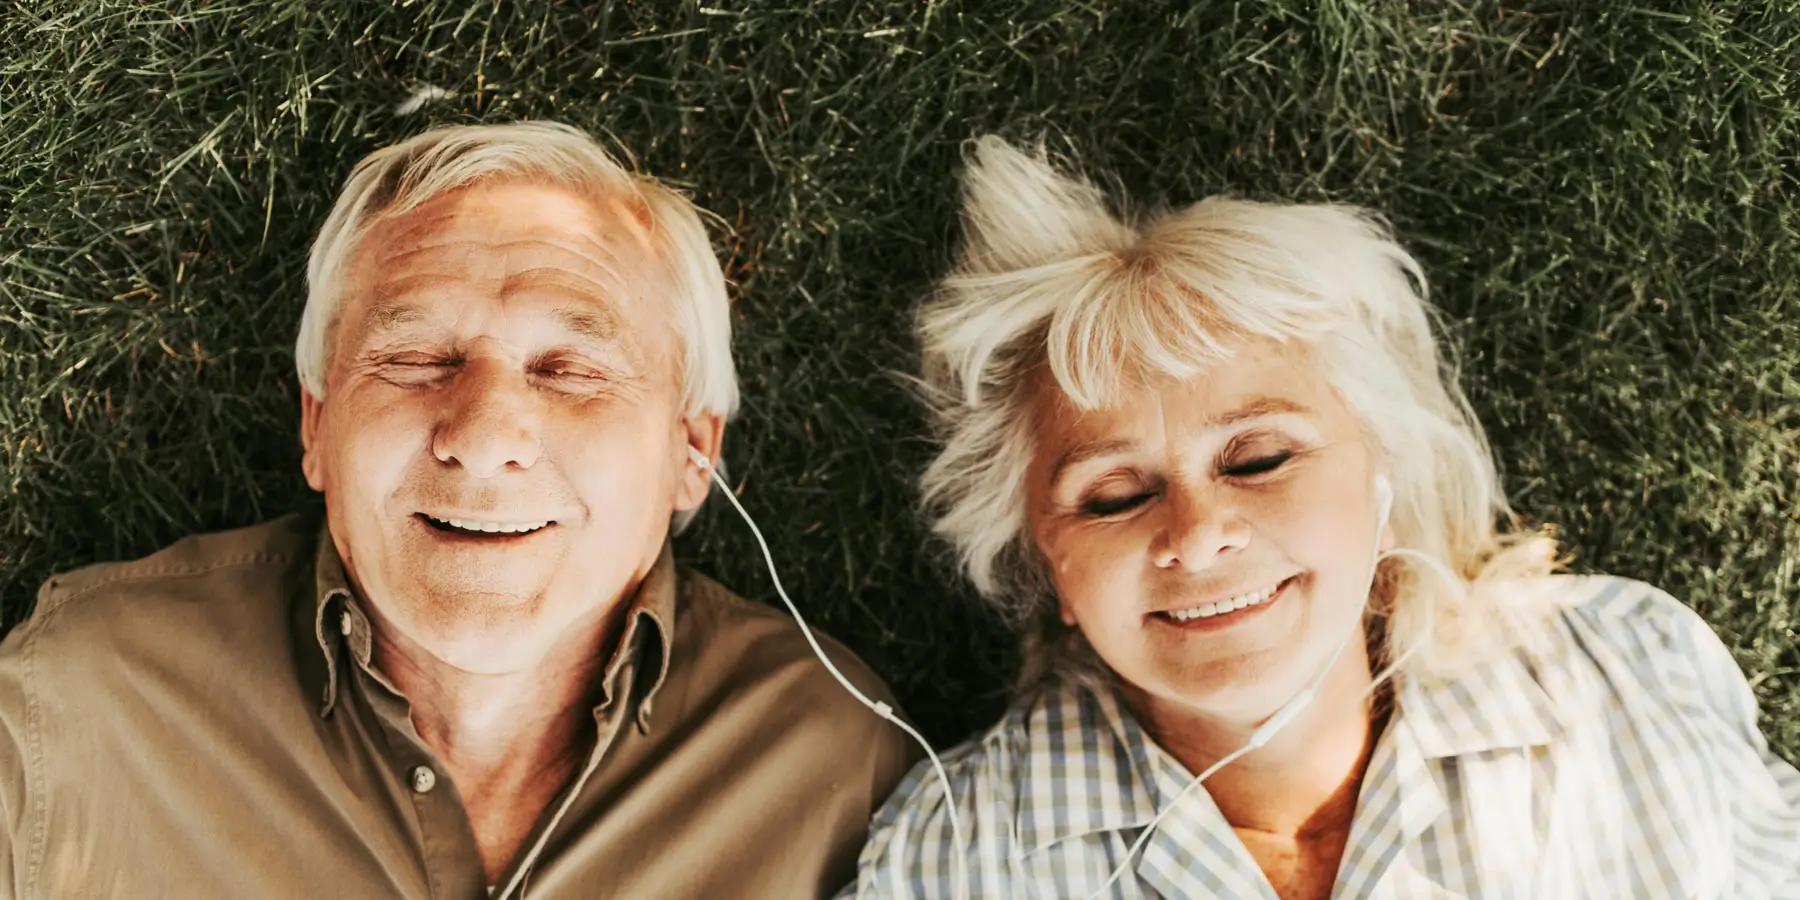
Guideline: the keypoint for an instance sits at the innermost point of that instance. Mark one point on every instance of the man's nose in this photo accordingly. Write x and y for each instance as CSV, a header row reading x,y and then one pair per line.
x,y
492,422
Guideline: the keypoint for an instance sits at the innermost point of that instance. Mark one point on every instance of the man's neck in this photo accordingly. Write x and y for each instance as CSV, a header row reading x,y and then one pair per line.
x,y
509,742
478,721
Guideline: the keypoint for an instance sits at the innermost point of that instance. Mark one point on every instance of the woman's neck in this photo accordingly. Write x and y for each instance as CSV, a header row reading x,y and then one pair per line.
x,y
1305,781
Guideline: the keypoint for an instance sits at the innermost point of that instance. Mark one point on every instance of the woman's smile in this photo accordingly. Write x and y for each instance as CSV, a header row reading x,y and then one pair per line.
x,y
1227,613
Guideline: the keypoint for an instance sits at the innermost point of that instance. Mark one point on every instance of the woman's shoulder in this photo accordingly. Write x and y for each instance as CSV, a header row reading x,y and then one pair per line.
x,y
1614,600
1616,620
1592,596
1647,691
990,767
1624,626
994,779
1650,650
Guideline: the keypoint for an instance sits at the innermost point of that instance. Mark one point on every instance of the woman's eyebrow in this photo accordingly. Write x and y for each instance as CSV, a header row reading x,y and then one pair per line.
x,y
1085,451
1256,409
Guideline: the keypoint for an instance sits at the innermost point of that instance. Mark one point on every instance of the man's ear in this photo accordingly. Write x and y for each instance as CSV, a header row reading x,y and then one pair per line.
x,y
312,462
705,432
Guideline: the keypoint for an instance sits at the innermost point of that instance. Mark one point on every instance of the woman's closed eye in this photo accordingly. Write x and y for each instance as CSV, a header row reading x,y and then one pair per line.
x,y
1260,465
1102,507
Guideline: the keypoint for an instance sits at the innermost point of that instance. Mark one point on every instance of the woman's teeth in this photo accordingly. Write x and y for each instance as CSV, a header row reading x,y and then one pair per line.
x,y
1224,606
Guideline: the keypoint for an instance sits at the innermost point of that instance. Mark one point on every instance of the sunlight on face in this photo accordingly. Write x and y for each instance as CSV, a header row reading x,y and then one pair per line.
x,y
501,443
1211,538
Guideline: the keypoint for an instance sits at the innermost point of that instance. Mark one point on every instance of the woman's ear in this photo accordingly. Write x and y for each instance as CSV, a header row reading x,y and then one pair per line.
x,y
1384,497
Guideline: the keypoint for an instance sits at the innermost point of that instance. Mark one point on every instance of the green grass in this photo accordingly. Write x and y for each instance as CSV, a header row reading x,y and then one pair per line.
x,y
1604,197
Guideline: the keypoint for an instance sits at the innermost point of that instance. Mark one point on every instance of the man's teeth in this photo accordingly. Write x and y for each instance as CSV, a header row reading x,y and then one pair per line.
x,y
491,527
1224,606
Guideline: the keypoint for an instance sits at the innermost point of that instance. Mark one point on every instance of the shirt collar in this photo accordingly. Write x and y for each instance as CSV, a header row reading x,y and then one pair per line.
x,y
1092,767
335,619
1497,704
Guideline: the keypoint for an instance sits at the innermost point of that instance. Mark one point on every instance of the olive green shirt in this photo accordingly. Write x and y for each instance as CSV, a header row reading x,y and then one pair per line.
x,y
206,722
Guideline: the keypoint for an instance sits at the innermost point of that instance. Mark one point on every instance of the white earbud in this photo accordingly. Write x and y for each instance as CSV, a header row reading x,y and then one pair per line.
x,y
700,459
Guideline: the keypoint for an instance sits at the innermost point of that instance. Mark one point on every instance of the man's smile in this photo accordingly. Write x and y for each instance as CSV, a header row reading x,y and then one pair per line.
x,y
487,528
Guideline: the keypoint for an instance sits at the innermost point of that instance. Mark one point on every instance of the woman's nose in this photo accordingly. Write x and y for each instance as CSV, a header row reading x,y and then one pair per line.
x,y
1197,530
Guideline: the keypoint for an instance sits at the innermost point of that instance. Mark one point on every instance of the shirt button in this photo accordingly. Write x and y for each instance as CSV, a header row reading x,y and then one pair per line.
x,y
423,779
345,624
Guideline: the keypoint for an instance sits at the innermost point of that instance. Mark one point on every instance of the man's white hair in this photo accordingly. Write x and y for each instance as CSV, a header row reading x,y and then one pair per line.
x,y
398,179
1050,283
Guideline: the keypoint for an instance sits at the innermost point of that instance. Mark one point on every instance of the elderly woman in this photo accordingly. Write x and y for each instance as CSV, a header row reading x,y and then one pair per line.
x,y
1193,458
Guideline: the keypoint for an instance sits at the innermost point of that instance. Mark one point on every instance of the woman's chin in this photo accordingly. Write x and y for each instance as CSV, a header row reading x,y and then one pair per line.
x,y
1243,696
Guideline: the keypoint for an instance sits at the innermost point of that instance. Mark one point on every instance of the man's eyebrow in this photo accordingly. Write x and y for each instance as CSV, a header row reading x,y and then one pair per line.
x,y
1255,409
386,315
598,325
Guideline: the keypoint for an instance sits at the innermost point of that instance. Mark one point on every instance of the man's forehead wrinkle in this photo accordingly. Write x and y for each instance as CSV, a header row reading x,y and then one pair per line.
x,y
403,235
416,220
584,268
594,253
558,276
632,214
388,290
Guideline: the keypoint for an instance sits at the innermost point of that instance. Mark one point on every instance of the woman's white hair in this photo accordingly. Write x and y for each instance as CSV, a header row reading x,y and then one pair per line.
x,y
1048,280
398,179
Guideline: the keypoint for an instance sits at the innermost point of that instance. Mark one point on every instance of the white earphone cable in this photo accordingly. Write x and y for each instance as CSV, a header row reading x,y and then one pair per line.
x,y
959,870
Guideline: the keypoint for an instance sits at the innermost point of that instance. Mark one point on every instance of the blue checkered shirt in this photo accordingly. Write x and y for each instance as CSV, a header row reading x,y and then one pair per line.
x,y
1621,759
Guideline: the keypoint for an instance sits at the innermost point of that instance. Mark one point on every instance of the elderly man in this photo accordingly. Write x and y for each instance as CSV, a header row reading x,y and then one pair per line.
x,y
482,675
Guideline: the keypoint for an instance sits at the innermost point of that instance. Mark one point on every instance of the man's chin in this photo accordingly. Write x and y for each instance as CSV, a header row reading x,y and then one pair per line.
x,y
443,617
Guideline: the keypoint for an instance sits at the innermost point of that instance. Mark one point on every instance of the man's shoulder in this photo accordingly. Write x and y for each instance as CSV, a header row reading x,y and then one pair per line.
x,y
224,566
752,648
737,661
719,622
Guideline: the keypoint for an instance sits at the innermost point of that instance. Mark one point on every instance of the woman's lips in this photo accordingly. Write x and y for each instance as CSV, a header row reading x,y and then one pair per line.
x,y
1223,620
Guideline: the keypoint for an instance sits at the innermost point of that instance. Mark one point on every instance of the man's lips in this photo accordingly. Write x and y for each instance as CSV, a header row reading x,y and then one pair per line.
x,y
484,527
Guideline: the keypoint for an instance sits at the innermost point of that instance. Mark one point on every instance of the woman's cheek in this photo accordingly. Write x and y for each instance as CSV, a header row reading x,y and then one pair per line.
x,y
1093,565
1322,529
